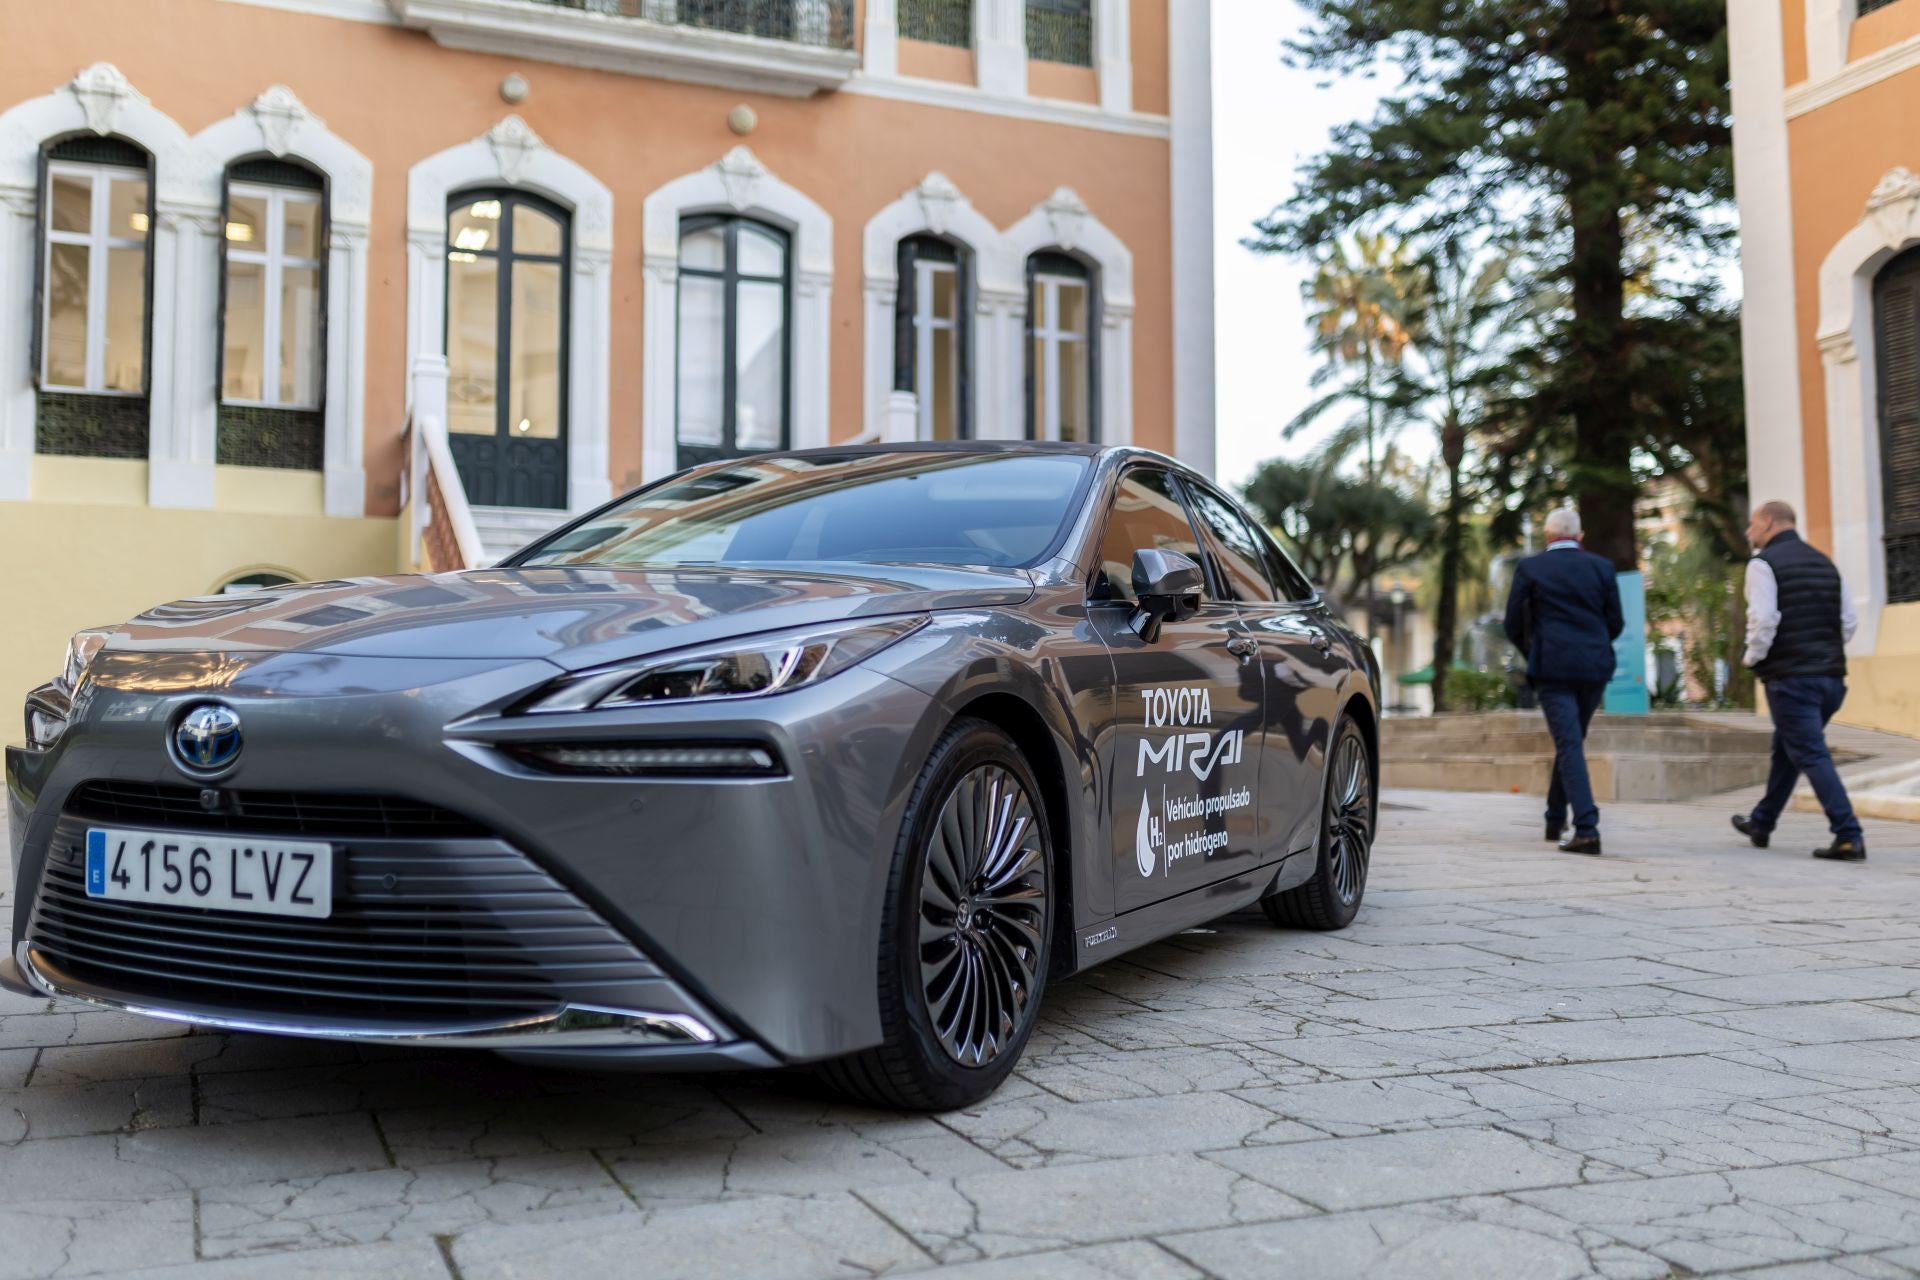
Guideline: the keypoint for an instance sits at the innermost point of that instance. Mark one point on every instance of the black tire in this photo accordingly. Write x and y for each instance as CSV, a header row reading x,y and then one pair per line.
x,y
1349,816
960,981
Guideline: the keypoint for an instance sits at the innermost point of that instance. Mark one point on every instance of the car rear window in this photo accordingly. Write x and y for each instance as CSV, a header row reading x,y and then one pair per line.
x,y
900,508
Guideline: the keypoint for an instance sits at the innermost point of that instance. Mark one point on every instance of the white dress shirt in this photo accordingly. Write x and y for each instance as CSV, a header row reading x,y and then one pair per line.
x,y
1763,610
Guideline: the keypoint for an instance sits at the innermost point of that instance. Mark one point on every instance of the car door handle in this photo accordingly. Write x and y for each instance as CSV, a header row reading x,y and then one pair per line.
x,y
1242,647
1323,642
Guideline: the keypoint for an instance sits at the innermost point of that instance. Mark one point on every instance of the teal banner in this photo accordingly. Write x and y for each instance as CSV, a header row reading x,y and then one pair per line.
x,y
1627,691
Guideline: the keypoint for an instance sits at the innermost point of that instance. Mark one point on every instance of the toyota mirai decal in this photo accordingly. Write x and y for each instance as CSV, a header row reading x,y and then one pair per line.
x,y
829,758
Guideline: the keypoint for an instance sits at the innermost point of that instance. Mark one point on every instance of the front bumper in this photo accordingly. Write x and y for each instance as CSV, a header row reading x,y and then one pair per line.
x,y
756,900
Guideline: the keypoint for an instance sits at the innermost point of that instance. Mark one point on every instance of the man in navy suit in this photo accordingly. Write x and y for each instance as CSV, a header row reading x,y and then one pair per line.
x,y
1563,613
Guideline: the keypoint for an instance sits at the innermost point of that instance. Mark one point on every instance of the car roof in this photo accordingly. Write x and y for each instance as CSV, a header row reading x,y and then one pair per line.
x,y
980,447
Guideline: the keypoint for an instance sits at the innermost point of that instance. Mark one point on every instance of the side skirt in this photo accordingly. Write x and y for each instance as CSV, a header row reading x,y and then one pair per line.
x,y
1102,940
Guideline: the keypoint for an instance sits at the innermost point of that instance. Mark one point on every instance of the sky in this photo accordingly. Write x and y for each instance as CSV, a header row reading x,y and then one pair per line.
x,y
1267,118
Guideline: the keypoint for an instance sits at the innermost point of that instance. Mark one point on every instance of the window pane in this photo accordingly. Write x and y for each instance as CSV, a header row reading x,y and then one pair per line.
x,y
67,315
300,232
534,231
127,208
944,388
245,350
473,318
1145,516
126,318
761,254
1072,316
247,222
300,336
702,360
474,227
71,203
705,249
533,370
1233,549
945,293
1076,393
760,366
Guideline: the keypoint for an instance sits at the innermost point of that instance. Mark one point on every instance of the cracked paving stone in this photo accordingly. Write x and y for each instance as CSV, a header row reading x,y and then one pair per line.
x,y
1743,1218
1705,1140
1807,987
37,1029
651,1112
1351,1108
15,1066
1043,1130
1839,1021
1037,1210
1134,1260
413,1260
1467,1239
75,1237
768,1239
1859,1267
1425,1164
1824,1067
376,1205
118,1106
1108,1076
1401,1053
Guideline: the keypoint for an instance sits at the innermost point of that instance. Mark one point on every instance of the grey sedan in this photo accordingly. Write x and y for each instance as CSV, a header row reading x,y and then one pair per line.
x,y
827,758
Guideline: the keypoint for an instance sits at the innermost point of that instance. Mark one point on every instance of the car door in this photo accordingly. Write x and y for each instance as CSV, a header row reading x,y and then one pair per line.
x,y
1300,673
1183,753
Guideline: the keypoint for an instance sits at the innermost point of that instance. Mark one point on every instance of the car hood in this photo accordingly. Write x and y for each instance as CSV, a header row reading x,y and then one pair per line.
x,y
572,617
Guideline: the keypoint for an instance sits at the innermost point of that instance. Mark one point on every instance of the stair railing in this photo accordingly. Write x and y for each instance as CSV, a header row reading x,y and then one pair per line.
x,y
439,533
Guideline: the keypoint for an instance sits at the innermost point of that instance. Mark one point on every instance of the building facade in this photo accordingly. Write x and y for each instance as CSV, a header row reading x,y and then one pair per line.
x,y
300,289
1829,200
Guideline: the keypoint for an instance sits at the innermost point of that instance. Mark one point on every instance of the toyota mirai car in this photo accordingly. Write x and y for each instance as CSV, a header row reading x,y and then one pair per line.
x,y
829,757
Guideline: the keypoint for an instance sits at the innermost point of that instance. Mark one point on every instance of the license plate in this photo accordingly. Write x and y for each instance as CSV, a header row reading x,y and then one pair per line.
x,y
223,873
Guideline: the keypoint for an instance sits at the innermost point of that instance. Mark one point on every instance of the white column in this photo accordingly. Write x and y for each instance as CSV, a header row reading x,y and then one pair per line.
x,y
1829,24
1854,482
1116,386
1000,364
880,301
661,364
880,39
180,390
1190,86
345,452
810,421
588,484
1000,46
426,295
903,417
1113,41
1769,341
17,400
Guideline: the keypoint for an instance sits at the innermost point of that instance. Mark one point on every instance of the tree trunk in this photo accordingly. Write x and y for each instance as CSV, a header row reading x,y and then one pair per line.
x,y
1453,448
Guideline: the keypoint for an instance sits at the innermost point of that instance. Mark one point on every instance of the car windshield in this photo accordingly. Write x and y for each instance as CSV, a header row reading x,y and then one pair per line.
x,y
1000,509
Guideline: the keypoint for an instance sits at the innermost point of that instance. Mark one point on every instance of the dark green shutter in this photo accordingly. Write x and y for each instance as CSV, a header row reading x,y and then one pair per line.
x,y
1897,322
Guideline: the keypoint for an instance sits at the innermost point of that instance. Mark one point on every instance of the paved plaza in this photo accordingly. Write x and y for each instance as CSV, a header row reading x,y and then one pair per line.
x,y
1686,1058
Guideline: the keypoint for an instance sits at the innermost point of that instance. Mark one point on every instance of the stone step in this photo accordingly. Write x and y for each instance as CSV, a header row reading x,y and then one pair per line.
x,y
1514,741
504,530
1616,776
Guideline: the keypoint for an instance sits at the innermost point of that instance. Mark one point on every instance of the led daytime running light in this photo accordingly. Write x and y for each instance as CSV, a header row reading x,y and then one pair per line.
x,y
640,760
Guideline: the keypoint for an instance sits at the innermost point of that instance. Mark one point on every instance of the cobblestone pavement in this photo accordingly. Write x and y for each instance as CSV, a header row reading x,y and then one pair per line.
x,y
1685,1058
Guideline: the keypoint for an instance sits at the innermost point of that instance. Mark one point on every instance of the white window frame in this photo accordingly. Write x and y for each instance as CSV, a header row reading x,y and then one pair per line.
x,y
275,260
97,240
925,326
1046,328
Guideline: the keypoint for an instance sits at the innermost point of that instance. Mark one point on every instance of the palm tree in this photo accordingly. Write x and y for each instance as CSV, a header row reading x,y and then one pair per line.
x,y
1359,301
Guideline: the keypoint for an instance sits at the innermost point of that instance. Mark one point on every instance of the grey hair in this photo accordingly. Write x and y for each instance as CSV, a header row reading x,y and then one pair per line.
x,y
1564,522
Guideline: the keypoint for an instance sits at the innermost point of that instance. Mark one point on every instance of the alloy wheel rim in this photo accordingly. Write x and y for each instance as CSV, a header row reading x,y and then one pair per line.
x,y
983,912
1350,819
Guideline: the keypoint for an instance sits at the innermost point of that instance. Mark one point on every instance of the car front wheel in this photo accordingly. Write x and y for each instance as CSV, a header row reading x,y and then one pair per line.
x,y
963,947
1349,814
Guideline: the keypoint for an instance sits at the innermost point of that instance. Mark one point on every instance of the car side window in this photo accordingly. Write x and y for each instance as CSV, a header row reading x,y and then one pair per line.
x,y
1292,584
1146,512
1237,555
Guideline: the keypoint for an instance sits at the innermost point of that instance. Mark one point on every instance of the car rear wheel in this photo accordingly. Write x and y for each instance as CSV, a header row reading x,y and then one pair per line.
x,y
1349,814
963,948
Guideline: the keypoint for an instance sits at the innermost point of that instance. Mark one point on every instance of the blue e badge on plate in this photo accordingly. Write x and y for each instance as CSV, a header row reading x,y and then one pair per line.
x,y
96,863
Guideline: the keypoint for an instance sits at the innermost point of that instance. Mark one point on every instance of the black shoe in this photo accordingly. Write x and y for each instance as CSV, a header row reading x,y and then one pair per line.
x,y
1843,851
1744,825
1589,845
1553,832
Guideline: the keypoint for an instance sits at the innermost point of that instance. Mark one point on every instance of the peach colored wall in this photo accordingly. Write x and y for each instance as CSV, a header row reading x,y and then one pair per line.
x,y
1147,29
936,61
1883,27
1793,26
399,97
1061,80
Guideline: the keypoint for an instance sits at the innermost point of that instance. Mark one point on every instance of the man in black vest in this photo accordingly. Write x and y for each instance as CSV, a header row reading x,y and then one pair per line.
x,y
1799,619
1563,613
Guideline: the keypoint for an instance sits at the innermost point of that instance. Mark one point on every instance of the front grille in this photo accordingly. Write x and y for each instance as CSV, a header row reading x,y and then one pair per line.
x,y
269,813
420,935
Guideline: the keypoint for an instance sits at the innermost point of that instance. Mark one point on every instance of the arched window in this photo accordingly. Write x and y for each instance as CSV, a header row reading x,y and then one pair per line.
x,y
733,386
933,335
1896,309
1062,350
507,287
273,340
96,215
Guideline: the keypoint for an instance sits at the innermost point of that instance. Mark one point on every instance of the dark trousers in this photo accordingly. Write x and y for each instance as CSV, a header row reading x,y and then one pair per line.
x,y
1801,707
1569,706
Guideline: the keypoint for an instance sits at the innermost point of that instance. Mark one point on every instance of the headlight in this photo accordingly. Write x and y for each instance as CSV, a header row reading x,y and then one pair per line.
x,y
749,667
50,707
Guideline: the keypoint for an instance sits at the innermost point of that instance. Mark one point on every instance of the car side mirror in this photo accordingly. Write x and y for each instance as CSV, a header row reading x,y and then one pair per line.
x,y
1167,585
